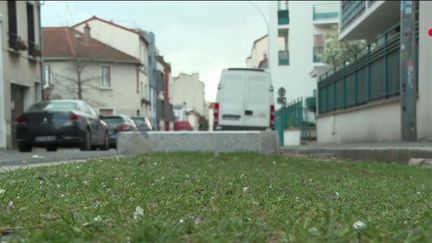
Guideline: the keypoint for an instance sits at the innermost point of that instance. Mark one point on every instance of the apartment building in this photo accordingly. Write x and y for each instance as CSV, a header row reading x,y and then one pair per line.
x,y
359,101
258,56
164,108
188,90
297,32
20,63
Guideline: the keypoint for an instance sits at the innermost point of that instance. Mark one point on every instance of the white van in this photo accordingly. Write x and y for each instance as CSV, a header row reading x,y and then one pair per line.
x,y
245,100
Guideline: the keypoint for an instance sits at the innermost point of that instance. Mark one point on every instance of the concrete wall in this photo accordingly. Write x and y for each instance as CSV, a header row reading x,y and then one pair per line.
x,y
295,77
424,108
17,68
123,97
190,90
380,123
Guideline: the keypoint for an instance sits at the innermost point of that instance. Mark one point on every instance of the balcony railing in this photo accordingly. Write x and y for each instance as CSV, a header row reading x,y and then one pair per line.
x,y
317,51
283,17
284,57
369,76
351,10
325,11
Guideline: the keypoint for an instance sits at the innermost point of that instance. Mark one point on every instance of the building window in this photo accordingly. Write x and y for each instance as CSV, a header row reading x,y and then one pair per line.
x,y
31,29
12,22
283,13
318,47
106,111
106,82
46,76
283,47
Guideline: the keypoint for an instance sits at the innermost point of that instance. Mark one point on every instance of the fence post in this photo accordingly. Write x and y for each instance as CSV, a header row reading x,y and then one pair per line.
x,y
369,74
386,79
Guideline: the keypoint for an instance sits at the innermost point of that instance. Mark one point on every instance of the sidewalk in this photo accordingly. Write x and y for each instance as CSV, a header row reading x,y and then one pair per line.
x,y
400,152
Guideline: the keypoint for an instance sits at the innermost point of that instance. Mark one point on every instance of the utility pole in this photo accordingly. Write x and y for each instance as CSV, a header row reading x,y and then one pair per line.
x,y
408,73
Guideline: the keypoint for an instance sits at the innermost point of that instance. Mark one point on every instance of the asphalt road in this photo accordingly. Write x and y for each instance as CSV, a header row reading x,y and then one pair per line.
x,y
38,156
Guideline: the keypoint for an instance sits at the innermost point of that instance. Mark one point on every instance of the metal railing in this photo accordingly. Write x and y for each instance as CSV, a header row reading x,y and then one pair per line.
x,y
371,75
283,57
283,17
351,10
289,116
326,11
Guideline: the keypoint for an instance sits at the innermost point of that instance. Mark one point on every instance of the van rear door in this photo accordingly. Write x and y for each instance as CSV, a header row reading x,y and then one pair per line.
x,y
232,99
257,107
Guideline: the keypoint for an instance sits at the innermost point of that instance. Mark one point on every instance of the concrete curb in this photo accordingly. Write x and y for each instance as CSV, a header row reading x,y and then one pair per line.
x,y
262,142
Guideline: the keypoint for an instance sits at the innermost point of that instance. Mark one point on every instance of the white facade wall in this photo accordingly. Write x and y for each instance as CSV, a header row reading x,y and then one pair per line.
x,y
123,97
190,90
17,68
295,77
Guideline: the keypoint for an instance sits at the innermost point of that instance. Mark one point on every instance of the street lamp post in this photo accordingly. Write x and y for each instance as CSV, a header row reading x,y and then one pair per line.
x,y
268,31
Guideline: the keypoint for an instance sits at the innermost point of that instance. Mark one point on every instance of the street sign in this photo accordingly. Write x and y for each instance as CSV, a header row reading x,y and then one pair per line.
x,y
281,91
281,100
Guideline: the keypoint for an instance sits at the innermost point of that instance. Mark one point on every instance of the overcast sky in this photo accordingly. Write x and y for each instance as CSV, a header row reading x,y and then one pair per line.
x,y
193,36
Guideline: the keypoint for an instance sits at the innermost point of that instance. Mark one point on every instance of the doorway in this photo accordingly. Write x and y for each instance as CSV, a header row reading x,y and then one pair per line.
x,y
17,108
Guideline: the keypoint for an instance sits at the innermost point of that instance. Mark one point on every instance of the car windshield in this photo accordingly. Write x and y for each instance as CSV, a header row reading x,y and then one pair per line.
x,y
53,106
113,121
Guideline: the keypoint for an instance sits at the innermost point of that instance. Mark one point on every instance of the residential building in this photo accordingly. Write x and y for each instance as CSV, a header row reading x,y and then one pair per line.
x,y
136,43
77,66
297,32
360,100
258,56
20,64
164,108
189,90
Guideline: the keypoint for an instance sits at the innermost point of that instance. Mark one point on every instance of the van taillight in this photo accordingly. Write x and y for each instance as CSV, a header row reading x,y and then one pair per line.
x,y
272,116
20,120
216,115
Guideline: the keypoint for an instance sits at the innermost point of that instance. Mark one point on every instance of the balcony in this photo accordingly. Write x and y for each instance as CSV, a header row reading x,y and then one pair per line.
x,y
317,51
283,17
370,76
367,19
284,57
326,13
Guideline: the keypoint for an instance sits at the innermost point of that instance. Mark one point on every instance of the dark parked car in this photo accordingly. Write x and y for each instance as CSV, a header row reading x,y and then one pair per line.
x,y
116,124
143,123
61,123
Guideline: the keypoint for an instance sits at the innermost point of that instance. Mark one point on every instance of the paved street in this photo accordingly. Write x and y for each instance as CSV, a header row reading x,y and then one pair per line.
x,y
37,156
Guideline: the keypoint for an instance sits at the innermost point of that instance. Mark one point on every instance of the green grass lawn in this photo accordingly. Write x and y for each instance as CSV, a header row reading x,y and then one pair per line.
x,y
217,198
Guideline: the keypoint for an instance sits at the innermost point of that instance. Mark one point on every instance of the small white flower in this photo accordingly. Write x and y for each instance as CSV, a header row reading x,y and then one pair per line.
x,y
97,219
245,189
155,163
139,212
310,180
58,186
181,221
62,195
359,225
10,205
85,182
274,162
187,176
337,194
77,167
2,192
163,177
418,193
270,187
241,176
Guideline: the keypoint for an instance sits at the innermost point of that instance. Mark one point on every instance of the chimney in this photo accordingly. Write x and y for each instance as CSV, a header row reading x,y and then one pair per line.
x,y
87,35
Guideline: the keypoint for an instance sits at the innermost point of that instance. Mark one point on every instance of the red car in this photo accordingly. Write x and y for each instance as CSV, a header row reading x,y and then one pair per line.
x,y
182,126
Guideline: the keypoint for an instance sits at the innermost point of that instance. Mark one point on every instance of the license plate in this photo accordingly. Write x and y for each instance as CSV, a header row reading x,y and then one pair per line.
x,y
45,139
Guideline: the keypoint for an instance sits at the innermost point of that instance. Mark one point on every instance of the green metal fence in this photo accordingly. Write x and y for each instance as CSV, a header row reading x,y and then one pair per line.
x,y
371,75
289,116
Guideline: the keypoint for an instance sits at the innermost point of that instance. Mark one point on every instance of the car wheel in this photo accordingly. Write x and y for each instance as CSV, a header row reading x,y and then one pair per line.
x,y
106,145
51,149
86,145
24,148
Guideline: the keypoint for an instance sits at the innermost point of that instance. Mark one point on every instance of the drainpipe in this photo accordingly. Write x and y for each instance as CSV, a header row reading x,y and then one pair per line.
x,y
41,47
3,127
